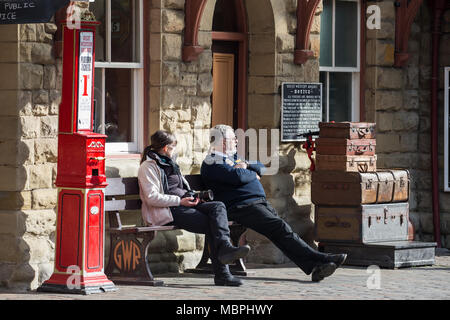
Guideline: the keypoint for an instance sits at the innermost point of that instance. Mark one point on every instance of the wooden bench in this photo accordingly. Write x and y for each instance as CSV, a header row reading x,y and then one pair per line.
x,y
128,258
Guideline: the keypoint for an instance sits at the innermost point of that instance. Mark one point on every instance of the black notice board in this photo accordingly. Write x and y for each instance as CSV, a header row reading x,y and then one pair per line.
x,y
24,11
301,109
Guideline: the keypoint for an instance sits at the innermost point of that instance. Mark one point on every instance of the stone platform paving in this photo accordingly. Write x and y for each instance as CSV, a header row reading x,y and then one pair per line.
x,y
285,282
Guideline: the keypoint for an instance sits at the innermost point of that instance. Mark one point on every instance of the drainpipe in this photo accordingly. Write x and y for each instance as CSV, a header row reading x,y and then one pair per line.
x,y
437,9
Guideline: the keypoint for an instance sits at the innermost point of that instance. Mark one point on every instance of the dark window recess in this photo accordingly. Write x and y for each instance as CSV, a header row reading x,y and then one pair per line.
x,y
95,172
225,16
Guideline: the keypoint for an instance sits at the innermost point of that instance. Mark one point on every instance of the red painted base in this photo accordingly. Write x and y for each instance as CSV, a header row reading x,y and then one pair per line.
x,y
72,283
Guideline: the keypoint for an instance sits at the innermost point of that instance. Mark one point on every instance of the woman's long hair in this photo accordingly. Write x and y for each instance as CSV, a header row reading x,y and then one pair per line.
x,y
158,140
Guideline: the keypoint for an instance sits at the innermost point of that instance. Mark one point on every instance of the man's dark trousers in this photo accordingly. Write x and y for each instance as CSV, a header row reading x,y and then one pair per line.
x,y
210,219
261,217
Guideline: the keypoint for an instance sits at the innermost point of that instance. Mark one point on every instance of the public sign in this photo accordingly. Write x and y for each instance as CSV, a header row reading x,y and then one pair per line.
x,y
23,11
86,64
301,109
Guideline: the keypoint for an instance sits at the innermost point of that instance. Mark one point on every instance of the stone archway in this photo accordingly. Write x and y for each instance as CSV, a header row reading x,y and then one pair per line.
x,y
262,59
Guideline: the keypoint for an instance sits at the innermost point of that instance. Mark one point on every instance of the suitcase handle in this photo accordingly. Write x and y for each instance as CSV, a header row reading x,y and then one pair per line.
x,y
362,132
338,223
386,210
361,149
363,167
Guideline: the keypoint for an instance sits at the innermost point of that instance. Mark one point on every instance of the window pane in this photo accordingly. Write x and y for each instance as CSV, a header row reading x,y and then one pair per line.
x,y
122,31
326,34
340,96
98,102
118,105
323,80
346,33
98,8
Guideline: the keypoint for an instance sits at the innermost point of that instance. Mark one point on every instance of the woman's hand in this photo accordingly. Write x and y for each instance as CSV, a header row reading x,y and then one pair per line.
x,y
189,202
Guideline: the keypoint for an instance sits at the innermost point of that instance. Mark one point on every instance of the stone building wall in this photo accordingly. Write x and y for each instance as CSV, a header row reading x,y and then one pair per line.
x,y
29,154
398,100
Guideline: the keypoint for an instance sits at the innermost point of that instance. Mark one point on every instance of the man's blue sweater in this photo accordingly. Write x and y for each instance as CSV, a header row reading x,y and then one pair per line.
x,y
232,186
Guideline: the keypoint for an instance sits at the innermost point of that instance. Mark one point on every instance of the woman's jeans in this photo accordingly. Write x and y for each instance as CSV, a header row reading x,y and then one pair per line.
x,y
210,219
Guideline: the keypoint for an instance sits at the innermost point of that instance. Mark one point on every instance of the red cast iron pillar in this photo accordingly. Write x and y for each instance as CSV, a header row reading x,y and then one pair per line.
x,y
306,10
81,173
437,10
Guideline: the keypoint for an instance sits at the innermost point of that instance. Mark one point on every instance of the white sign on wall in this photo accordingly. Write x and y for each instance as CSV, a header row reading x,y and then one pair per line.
x,y
86,65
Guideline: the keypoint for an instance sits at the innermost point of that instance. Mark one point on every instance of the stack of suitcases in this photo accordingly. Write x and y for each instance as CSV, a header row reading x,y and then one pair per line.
x,y
359,209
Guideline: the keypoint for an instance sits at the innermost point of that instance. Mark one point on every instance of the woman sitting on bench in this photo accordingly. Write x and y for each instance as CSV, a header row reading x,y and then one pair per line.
x,y
167,199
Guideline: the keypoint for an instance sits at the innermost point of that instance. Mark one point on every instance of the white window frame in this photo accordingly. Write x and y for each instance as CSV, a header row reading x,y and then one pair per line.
x,y
446,124
137,82
354,70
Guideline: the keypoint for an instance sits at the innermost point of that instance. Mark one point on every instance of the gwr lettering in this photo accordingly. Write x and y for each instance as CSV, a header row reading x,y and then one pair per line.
x,y
129,259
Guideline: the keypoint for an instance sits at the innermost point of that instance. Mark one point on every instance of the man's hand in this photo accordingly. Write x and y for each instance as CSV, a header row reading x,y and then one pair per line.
x,y
242,165
189,202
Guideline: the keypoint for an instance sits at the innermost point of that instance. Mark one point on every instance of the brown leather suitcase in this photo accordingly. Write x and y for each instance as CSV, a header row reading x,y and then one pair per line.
x,y
346,163
401,183
347,130
341,146
362,224
337,188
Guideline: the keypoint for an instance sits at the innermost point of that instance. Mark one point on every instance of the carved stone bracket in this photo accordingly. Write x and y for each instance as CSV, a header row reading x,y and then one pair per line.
x,y
306,10
405,12
193,14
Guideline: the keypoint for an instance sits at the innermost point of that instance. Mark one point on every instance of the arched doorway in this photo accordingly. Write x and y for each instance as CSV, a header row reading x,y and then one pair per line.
x,y
229,50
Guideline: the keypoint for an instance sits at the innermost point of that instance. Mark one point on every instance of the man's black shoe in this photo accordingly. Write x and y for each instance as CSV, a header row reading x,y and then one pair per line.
x,y
228,255
322,271
227,280
338,259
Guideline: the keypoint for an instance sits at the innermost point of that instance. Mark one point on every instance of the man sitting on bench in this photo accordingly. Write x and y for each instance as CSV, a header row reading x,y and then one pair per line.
x,y
167,199
236,183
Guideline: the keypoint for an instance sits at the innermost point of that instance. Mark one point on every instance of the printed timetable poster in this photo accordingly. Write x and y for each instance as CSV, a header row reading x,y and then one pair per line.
x,y
85,75
301,109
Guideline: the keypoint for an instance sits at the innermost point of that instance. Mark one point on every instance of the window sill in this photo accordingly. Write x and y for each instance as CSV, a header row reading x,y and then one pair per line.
x,y
123,156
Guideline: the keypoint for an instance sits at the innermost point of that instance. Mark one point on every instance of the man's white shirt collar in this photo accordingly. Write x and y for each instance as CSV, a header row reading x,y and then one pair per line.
x,y
220,154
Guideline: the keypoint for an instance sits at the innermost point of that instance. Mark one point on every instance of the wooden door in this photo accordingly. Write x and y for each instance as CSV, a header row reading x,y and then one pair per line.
x,y
223,89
